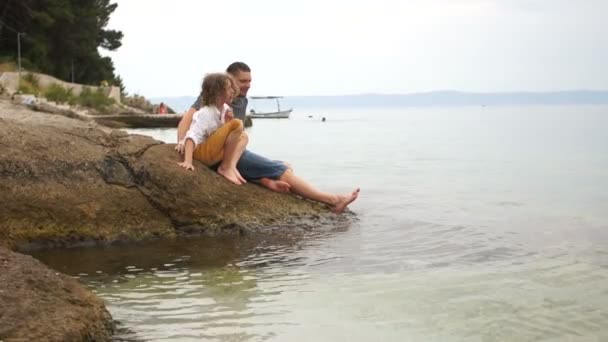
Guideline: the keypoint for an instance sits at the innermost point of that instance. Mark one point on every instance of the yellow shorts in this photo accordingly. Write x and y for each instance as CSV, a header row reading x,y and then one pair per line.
x,y
212,150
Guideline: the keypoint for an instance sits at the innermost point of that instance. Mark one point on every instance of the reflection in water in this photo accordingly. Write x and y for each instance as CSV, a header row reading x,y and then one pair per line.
x,y
421,282
474,224
188,288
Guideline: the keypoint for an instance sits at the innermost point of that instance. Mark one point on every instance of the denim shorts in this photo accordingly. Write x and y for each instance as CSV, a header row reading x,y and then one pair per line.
x,y
253,167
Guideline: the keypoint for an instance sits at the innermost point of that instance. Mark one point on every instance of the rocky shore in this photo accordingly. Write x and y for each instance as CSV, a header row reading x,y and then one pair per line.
x,y
39,304
68,182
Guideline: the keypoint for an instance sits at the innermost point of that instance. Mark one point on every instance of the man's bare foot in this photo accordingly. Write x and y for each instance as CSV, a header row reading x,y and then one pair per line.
x,y
229,175
275,185
344,201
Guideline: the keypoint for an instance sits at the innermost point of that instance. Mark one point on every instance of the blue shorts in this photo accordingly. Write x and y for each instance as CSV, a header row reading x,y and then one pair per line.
x,y
253,167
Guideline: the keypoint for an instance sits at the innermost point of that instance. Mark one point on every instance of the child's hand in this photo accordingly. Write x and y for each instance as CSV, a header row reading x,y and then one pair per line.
x,y
186,165
180,147
229,115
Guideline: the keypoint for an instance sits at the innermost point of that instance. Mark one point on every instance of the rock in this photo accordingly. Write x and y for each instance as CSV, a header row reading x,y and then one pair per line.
x,y
67,182
39,304
248,121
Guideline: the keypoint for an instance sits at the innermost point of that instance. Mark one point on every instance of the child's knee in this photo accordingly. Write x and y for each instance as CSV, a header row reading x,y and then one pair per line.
x,y
236,125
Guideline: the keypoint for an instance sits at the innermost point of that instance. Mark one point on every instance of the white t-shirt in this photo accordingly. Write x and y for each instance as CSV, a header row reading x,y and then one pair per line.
x,y
204,122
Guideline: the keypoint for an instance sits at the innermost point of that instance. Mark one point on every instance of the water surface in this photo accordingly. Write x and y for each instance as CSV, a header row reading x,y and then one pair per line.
x,y
473,224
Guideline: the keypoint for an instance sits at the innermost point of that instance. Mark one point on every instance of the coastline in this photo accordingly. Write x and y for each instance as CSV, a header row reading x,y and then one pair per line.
x,y
72,182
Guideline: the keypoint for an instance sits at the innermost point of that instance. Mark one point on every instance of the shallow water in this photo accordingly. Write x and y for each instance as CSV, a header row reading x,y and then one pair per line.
x,y
474,224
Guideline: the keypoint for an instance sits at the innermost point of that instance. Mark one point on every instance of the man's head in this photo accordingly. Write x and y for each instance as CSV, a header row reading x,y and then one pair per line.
x,y
242,74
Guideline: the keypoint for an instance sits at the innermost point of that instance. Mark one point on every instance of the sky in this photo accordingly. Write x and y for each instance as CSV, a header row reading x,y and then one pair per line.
x,y
330,47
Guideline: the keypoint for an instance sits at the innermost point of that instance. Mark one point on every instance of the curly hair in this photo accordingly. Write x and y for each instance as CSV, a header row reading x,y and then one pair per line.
x,y
214,87
234,84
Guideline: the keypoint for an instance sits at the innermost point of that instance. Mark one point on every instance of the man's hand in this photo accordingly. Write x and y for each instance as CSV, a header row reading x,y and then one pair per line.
x,y
186,165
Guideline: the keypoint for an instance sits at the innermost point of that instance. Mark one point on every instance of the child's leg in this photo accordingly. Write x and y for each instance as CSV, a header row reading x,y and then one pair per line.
x,y
213,150
233,149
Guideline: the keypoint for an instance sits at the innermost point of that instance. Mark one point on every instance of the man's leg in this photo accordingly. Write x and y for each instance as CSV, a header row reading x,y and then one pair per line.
x,y
275,185
263,171
304,189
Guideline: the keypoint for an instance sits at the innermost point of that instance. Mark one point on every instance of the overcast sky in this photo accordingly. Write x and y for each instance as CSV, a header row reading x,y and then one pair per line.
x,y
325,47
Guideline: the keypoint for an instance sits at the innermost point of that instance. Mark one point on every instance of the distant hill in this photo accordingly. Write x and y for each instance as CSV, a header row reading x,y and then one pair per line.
x,y
435,98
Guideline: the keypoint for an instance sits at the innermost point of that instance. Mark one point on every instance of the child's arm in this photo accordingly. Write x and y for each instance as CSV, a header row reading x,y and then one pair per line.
x,y
185,122
199,129
187,163
229,115
182,129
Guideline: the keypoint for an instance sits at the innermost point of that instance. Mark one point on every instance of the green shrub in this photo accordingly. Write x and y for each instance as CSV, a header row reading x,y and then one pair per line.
x,y
29,84
95,99
31,79
139,102
58,94
27,88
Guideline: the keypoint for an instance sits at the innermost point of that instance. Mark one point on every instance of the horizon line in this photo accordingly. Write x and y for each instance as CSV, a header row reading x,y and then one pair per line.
x,y
431,92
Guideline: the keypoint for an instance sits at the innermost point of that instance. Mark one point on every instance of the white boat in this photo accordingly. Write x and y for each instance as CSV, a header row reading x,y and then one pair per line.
x,y
278,114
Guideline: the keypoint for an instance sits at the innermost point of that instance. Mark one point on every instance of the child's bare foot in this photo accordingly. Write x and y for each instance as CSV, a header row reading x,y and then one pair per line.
x,y
238,174
230,175
275,185
345,200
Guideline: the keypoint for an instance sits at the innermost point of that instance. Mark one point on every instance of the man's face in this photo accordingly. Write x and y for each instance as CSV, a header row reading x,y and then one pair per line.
x,y
243,79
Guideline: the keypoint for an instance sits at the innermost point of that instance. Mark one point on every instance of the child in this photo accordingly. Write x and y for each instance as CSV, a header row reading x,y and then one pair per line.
x,y
213,136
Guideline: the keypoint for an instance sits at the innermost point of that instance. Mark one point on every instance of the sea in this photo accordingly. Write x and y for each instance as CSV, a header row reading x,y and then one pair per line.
x,y
474,223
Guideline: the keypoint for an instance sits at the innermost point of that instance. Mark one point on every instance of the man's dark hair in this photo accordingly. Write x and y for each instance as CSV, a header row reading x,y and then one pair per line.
x,y
236,67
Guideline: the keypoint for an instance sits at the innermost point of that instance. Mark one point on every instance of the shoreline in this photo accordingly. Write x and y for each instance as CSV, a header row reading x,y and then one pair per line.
x,y
72,182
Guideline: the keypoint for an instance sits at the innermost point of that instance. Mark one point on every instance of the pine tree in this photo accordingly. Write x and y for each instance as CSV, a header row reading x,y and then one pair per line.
x,y
60,34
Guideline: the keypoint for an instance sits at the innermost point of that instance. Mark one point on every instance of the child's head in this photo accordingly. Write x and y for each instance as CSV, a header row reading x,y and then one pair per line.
x,y
235,89
218,88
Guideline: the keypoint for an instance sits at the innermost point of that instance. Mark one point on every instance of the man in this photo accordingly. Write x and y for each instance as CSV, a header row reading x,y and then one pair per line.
x,y
272,174
242,74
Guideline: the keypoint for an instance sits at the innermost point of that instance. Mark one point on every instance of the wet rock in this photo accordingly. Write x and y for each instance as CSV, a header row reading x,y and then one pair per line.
x,y
40,304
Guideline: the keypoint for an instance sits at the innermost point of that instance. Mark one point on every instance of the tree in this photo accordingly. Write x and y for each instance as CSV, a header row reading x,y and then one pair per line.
x,y
59,34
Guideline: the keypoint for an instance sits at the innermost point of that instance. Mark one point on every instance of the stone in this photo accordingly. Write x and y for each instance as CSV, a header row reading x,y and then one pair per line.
x,y
40,304
68,182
